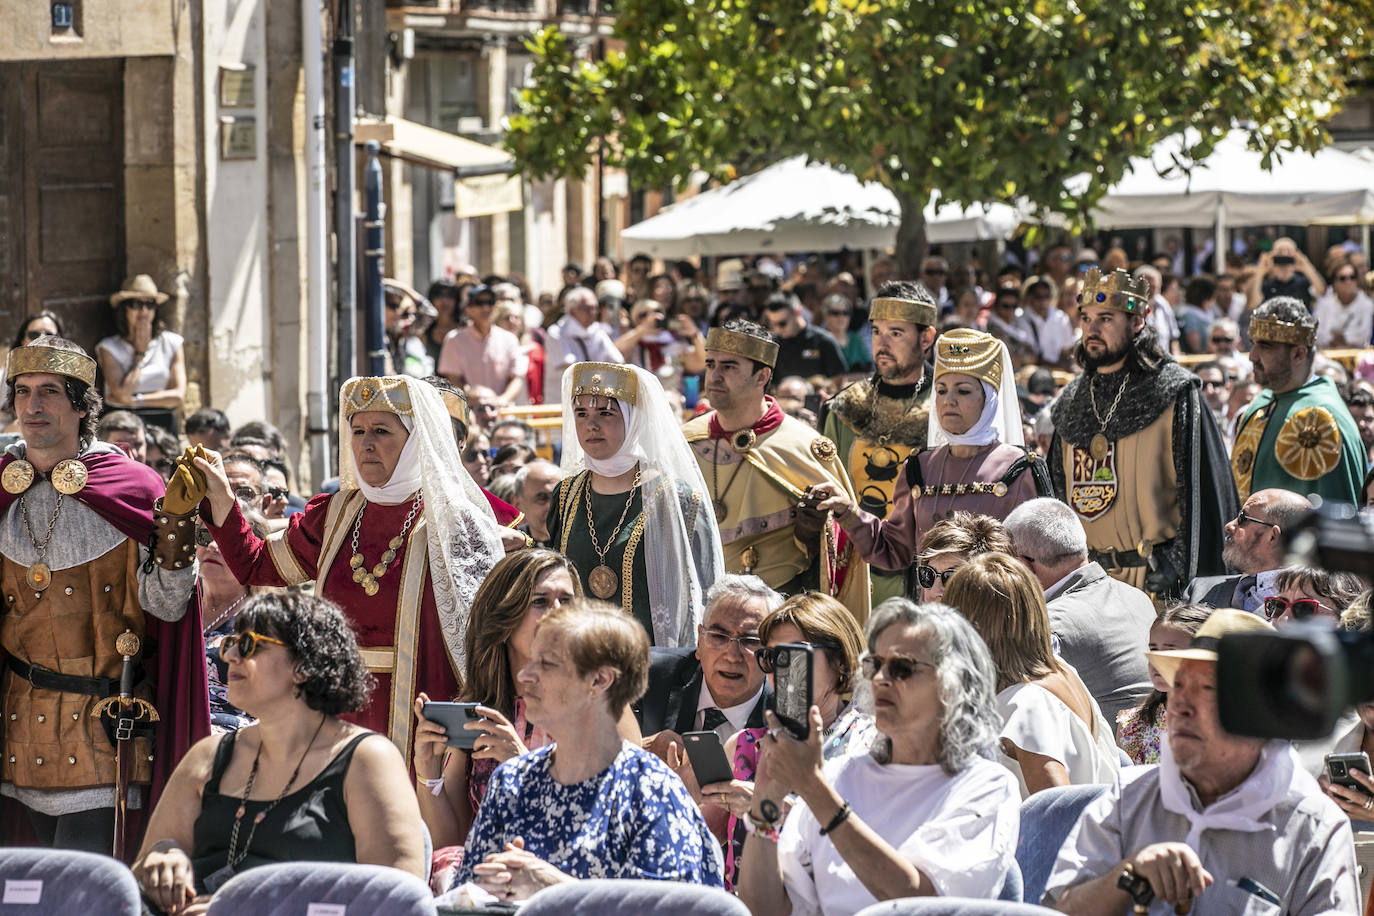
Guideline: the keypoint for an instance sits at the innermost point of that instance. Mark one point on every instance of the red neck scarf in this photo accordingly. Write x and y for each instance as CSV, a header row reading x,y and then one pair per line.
x,y
771,420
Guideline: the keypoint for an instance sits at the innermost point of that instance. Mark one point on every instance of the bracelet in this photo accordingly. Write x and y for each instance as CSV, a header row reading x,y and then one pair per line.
x,y
840,817
435,786
760,828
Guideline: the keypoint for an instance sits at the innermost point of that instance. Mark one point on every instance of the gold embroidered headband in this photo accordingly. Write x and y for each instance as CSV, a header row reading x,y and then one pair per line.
x,y
387,393
605,380
52,360
913,311
970,353
750,347
1272,330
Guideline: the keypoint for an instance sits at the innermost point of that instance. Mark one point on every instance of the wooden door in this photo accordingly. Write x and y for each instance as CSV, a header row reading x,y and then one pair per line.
x,y
61,193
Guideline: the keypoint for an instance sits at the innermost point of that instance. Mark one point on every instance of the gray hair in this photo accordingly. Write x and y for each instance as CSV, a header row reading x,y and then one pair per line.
x,y
578,293
522,473
964,675
526,430
742,588
1046,530
504,488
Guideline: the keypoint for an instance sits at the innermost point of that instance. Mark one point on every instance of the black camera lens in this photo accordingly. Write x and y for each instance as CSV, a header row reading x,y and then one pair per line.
x,y
784,658
1338,769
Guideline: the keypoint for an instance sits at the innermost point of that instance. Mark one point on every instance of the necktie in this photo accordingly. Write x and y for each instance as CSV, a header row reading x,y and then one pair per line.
x,y
1245,594
712,719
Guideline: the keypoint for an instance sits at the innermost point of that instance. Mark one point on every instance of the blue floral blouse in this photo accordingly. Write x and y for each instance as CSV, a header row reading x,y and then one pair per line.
x,y
633,820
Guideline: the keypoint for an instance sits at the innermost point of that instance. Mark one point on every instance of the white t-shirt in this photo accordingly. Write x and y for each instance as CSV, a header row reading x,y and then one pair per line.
x,y
1037,721
1053,333
157,361
1354,322
960,831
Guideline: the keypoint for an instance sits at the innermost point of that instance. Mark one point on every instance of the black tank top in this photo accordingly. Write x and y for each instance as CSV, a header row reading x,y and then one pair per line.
x,y
310,824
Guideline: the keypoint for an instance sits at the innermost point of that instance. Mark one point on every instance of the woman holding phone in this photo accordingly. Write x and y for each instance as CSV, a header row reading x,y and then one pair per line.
x,y
819,621
923,813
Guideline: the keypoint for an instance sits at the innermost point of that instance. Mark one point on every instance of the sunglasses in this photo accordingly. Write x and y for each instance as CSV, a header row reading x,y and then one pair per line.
x,y
1242,518
1350,277
278,492
926,576
837,313
1210,384
482,304
1223,340
899,667
203,536
247,644
935,271
33,335
137,304
1302,608
768,657
246,493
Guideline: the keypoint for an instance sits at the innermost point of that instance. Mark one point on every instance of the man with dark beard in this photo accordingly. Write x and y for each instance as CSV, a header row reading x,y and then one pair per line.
x,y
1298,434
1136,452
876,423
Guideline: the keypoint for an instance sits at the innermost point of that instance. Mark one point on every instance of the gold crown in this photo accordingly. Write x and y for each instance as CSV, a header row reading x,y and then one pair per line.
x,y
52,360
1118,290
1272,330
969,352
914,311
605,380
387,393
457,405
746,345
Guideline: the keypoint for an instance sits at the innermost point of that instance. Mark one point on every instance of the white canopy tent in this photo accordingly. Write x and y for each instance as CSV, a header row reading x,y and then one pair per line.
x,y
795,205
1231,188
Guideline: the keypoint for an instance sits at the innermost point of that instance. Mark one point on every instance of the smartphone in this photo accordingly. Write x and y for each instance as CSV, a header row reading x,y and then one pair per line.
x,y
707,756
792,687
1338,767
453,716
812,402
1283,260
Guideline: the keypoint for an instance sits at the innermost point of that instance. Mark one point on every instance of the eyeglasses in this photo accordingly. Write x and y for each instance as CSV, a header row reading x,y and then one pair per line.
x,y
33,335
1302,608
926,576
720,641
768,657
482,304
246,493
899,667
246,642
1350,277
1223,340
837,313
1242,518
278,492
779,325
138,304
203,536
1209,384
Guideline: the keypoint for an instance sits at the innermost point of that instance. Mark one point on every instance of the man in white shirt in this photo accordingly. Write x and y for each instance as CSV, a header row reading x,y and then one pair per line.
x,y
1223,824
1052,329
1345,314
575,338
1161,316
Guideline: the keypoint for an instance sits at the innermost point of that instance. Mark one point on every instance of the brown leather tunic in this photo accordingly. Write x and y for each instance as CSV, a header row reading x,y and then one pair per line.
x,y
51,740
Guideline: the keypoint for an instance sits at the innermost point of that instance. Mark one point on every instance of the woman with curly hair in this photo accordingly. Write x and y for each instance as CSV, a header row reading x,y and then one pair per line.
x,y
300,784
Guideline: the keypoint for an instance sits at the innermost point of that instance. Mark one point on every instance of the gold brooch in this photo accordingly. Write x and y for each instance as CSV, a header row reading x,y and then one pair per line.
x,y
17,476
69,477
822,448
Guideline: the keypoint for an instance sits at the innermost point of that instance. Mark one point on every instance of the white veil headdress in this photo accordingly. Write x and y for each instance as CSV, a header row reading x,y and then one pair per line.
x,y
682,561
464,539
1000,420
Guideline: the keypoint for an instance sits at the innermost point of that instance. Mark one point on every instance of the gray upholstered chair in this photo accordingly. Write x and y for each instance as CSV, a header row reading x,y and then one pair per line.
x,y
633,898
288,889
1046,819
951,906
65,881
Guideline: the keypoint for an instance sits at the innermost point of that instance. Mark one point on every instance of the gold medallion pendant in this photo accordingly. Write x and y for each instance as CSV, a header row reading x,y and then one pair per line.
x,y
69,477
1098,447
17,477
39,576
603,581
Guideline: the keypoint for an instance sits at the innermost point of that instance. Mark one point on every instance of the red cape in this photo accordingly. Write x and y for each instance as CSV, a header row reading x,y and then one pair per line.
x,y
122,491
507,516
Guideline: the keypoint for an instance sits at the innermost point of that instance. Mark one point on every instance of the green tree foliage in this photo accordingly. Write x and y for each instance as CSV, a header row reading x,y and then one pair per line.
x,y
982,99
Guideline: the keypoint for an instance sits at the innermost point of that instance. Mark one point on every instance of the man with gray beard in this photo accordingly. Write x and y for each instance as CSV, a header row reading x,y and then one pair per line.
x,y
1254,549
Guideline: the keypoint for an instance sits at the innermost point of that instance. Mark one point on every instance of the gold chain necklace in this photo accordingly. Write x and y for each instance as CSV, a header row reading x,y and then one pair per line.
x,y
38,575
603,581
368,578
718,498
886,435
1098,446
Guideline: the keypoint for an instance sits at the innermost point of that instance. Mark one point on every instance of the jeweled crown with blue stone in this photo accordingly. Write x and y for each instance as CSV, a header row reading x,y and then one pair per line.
x,y
1118,290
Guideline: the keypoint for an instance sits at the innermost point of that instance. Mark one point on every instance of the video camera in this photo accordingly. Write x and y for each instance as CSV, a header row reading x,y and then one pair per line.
x,y
1297,683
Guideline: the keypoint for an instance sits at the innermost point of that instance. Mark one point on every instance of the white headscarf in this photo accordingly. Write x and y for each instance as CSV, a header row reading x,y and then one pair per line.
x,y
681,562
1000,420
464,539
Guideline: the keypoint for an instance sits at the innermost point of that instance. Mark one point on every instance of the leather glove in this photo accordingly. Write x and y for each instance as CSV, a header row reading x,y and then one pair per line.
x,y
187,487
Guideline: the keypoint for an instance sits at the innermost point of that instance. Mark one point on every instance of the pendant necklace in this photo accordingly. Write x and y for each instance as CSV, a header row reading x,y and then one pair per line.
x,y
603,581
1097,447
886,435
361,574
39,576
718,496
225,615
233,860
